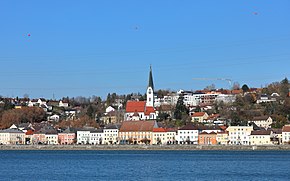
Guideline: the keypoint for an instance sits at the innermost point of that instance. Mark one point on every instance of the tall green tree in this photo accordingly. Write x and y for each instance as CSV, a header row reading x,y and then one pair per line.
x,y
180,108
245,88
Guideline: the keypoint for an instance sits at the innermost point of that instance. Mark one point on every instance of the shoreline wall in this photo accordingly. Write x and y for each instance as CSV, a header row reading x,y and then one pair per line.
x,y
145,147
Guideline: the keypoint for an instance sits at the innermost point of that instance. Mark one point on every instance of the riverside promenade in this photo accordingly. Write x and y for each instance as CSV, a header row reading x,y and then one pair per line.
x,y
145,147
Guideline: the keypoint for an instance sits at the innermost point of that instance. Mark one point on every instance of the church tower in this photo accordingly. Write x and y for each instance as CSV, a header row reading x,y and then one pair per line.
x,y
150,90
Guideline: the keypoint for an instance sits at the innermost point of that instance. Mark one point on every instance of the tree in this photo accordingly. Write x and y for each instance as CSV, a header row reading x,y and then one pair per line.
x,y
180,108
284,87
245,88
236,86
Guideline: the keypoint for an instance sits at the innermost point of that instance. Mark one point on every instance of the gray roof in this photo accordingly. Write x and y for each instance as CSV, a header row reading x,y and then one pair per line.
x,y
11,131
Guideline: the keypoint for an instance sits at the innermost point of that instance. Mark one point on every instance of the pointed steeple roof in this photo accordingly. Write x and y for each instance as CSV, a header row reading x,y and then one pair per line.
x,y
151,79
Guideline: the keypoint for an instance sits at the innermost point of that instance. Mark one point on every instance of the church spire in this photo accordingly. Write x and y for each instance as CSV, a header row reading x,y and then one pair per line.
x,y
151,79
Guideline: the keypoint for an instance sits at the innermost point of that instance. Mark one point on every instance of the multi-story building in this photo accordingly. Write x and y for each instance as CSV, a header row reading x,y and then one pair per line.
x,y
83,136
111,134
159,136
262,121
205,138
137,132
12,137
96,137
188,134
286,134
67,137
239,135
222,138
261,137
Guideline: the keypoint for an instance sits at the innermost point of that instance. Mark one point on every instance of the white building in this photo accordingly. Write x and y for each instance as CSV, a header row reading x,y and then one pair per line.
x,y
262,121
111,134
96,137
239,135
83,137
188,134
286,134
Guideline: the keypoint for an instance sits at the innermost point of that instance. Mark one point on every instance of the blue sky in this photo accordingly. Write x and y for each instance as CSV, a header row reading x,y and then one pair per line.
x,y
84,48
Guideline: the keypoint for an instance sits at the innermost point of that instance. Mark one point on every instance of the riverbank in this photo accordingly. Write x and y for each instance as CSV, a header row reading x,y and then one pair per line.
x,y
144,147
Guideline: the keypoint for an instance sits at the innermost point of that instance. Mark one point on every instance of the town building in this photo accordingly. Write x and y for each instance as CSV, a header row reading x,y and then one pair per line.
x,y
159,136
199,117
96,137
222,138
261,137
286,134
205,138
239,135
188,134
67,137
111,134
137,132
262,121
12,136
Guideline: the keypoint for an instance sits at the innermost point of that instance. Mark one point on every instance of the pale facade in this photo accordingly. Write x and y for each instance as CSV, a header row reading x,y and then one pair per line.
x,y
239,135
12,137
187,135
136,137
222,138
96,137
286,134
171,137
263,121
51,139
111,136
261,138
159,136
83,137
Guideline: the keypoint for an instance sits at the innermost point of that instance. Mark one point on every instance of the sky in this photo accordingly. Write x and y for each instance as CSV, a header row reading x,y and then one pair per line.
x,y
55,49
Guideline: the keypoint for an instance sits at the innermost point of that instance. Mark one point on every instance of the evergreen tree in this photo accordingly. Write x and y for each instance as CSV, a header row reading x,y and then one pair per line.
x,y
180,108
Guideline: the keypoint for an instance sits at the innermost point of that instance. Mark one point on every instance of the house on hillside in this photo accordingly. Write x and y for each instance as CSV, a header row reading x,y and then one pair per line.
x,y
199,117
262,121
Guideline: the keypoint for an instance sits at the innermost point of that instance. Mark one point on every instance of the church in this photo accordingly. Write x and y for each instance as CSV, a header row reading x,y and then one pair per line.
x,y
142,110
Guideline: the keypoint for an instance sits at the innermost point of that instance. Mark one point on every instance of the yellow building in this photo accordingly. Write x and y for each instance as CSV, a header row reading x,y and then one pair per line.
x,y
261,137
137,132
159,136
222,138
239,135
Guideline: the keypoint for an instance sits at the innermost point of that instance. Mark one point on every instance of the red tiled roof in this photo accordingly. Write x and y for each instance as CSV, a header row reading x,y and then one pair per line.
x,y
223,128
29,132
135,126
149,110
135,106
198,114
286,128
236,91
159,130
